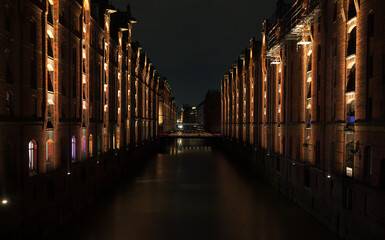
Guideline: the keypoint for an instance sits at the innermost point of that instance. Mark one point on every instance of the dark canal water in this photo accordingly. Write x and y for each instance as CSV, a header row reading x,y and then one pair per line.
x,y
193,192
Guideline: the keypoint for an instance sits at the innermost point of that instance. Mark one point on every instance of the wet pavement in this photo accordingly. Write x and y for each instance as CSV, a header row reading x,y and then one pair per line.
x,y
192,192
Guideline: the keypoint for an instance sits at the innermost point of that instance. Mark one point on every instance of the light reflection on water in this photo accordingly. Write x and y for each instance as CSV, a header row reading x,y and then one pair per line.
x,y
195,194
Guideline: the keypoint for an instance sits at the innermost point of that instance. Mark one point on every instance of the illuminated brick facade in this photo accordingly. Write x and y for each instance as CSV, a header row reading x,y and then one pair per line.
x,y
313,103
77,94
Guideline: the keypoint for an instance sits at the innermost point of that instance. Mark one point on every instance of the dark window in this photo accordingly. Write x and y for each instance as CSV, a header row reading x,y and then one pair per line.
x,y
351,85
50,46
371,25
8,71
370,66
369,108
367,162
352,42
74,86
74,55
63,49
63,86
319,24
352,10
348,196
50,80
32,33
33,74
50,15
7,20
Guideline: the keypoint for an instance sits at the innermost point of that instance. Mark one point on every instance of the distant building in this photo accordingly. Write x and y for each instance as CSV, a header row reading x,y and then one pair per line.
x,y
200,113
189,114
212,111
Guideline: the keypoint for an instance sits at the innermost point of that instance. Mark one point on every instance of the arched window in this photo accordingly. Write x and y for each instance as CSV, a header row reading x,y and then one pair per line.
x,y
49,152
73,149
90,145
32,157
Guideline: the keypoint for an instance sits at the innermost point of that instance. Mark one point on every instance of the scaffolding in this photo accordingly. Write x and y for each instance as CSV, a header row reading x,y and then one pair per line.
x,y
291,27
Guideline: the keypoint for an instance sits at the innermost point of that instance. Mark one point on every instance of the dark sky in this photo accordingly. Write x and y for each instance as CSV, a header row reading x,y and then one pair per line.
x,y
194,42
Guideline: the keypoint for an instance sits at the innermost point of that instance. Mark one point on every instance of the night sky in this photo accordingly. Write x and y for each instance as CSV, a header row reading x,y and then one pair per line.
x,y
194,42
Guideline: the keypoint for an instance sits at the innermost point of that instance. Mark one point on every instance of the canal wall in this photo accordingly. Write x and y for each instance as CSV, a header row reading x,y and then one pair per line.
x,y
316,192
52,199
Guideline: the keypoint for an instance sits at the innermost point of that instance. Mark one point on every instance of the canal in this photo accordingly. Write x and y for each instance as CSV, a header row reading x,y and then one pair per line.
x,y
191,191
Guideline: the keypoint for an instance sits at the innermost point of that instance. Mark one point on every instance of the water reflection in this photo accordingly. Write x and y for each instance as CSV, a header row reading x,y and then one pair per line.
x,y
194,194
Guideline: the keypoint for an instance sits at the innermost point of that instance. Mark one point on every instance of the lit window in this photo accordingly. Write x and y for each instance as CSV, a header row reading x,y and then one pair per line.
x,y
73,149
49,152
90,147
32,157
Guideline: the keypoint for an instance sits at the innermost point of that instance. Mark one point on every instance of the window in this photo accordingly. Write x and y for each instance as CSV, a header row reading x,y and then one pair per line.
x,y
32,157
32,33
369,108
50,112
49,152
74,55
50,10
63,86
352,42
33,73
351,85
90,145
50,77
371,25
50,43
8,71
368,162
9,104
352,10
73,149
7,23
84,147
370,66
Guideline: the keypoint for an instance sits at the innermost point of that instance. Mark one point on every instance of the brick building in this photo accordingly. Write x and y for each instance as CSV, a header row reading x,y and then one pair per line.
x,y
76,94
303,100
